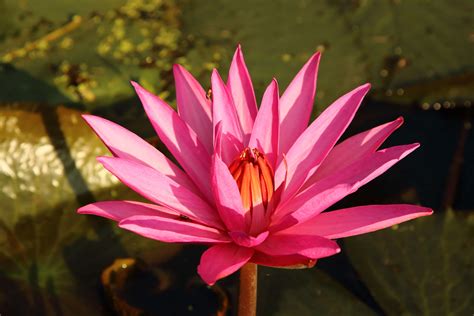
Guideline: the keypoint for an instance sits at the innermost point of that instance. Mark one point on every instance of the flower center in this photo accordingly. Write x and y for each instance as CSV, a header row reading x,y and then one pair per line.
x,y
254,177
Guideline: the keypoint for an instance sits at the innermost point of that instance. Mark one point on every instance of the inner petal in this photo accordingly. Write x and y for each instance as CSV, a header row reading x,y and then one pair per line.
x,y
255,180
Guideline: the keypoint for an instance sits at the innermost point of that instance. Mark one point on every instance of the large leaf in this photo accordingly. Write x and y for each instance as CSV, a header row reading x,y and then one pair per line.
x,y
399,46
51,257
277,39
304,292
89,50
423,267
410,55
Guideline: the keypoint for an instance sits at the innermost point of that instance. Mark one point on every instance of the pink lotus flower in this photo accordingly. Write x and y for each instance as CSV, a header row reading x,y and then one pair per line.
x,y
254,182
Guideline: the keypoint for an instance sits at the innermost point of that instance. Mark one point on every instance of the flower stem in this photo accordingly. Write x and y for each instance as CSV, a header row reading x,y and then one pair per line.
x,y
248,290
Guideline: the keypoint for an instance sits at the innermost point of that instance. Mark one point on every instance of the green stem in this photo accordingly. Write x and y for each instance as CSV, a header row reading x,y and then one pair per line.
x,y
248,290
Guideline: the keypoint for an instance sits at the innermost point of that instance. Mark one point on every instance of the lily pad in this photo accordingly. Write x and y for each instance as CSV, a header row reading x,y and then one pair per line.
x,y
424,267
417,50
411,51
91,50
305,292
277,39
51,257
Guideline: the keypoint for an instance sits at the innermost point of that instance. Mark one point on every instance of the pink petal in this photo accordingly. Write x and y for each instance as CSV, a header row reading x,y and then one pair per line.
x,y
118,210
125,144
314,144
265,130
162,190
240,87
310,246
172,229
296,103
288,261
193,106
244,240
358,220
220,261
227,196
353,149
331,189
179,138
223,110
218,139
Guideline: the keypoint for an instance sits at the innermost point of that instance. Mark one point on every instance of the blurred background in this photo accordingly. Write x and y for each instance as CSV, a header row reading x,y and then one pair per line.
x,y
59,59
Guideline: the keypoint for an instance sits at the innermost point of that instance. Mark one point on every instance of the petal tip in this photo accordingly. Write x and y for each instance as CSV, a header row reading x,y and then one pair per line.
x,y
87,117
202,274
366,86
215,75
239,48
123,223
316,56
178,69
103,159
313,62
82,210
238,54
138,88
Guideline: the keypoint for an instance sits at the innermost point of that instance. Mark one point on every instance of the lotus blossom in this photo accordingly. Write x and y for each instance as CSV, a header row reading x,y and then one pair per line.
x,y
253,183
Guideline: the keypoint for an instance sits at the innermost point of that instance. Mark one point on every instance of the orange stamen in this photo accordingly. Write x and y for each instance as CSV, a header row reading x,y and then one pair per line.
x,y
245,191
254,177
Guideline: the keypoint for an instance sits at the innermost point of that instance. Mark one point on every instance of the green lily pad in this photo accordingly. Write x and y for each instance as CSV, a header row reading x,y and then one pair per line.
x,y
410,51
406,49
424,267
277,39
304,292
89,51
411,55
50,256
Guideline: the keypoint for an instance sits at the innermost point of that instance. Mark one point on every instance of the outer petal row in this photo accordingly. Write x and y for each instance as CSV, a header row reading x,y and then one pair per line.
x,y
315,143
179,138
119,210
125,144
224,112
162,190
354,148
193,106
296,103
240,87
173,230
155,222
266,131
220,261
358,220
311,246
331,189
